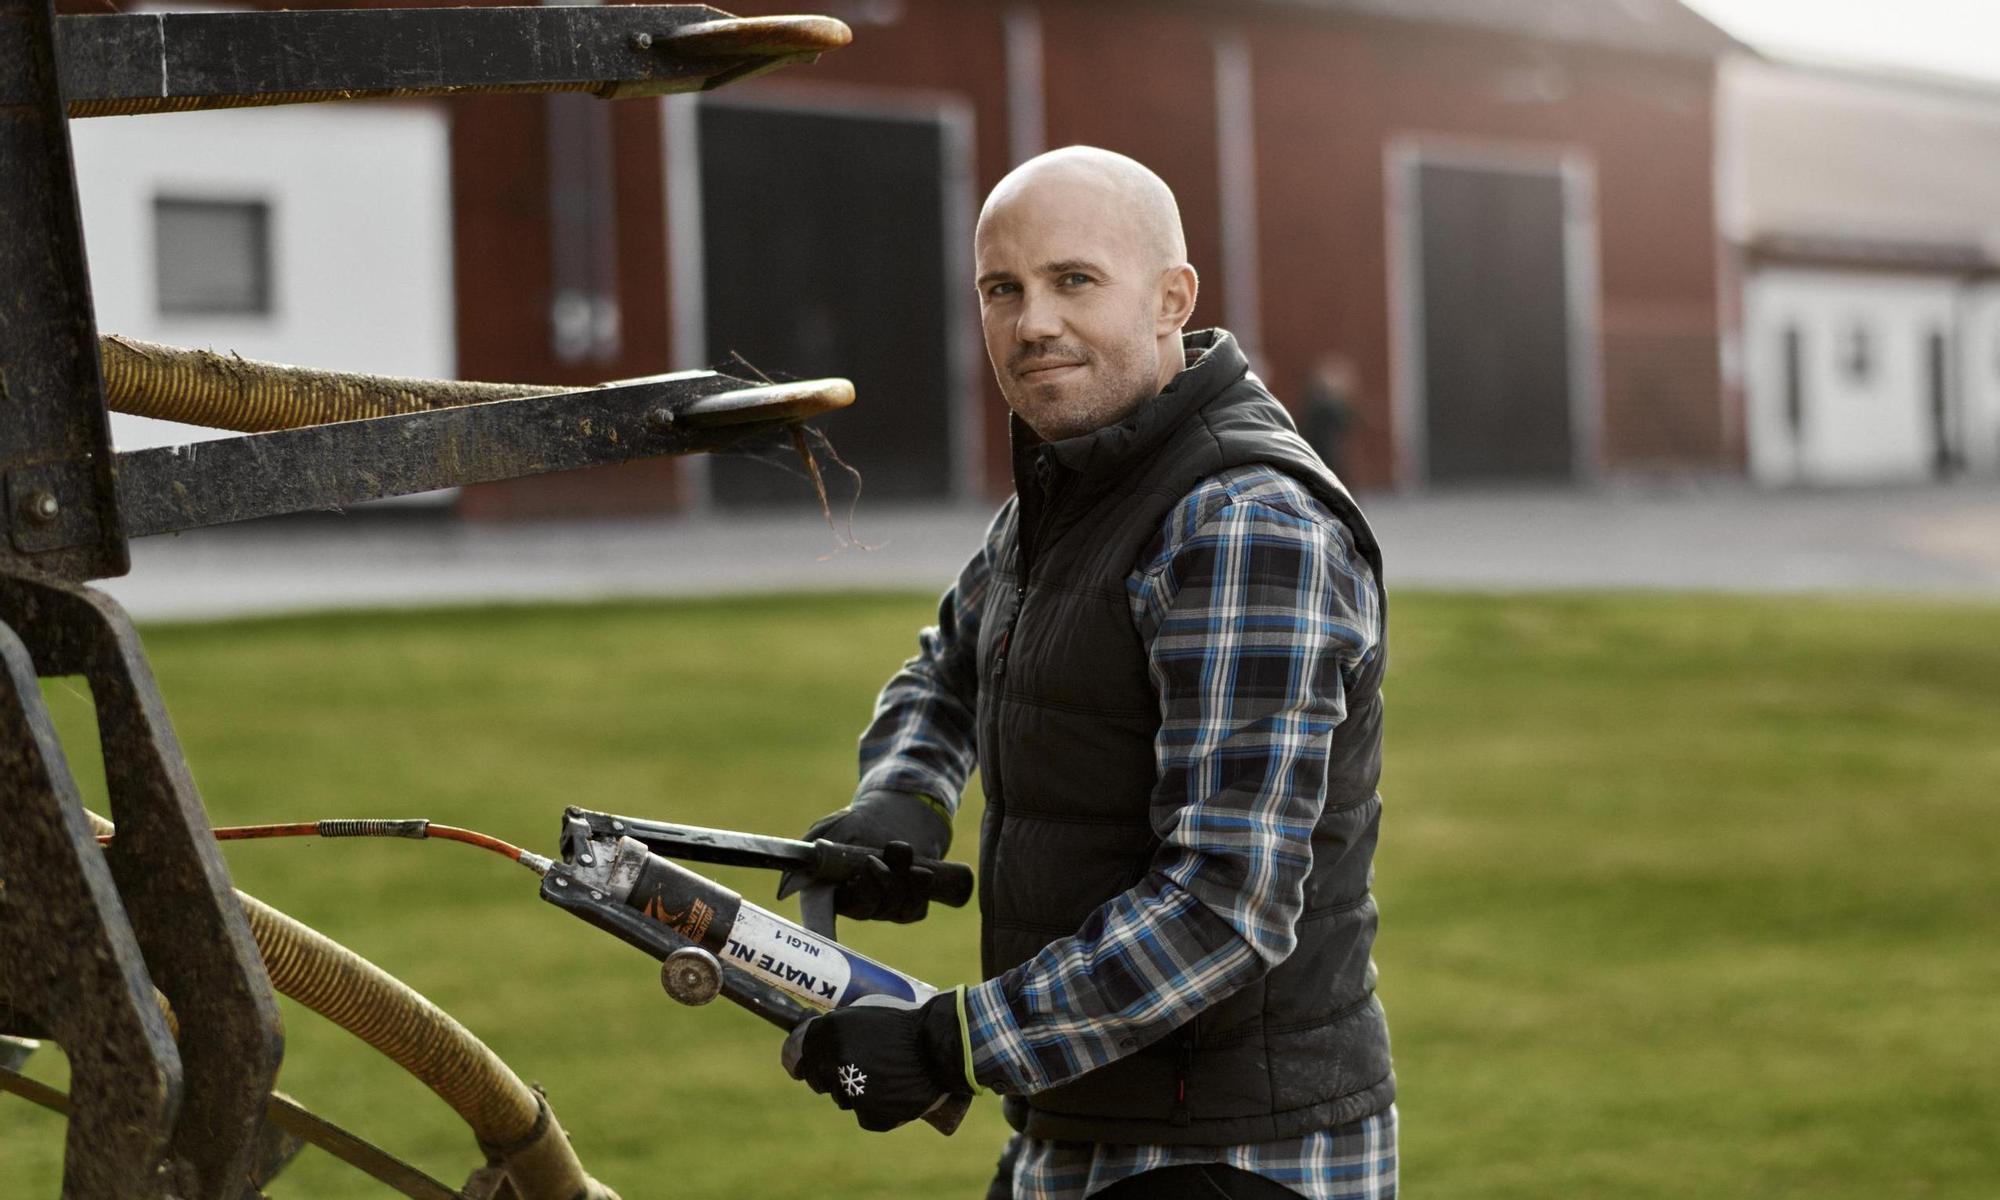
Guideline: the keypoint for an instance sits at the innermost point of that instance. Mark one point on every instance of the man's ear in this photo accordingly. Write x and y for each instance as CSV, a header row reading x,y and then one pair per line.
x,y
1178,287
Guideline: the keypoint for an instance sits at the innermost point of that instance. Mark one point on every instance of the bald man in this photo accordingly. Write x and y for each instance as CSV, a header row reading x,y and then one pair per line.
x,y
1166,663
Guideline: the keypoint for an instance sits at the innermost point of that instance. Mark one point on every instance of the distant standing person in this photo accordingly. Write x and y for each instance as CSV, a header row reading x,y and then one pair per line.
x,y
1166,662
1327,409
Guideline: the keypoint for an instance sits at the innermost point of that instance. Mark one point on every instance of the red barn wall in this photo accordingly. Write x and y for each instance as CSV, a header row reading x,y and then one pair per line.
x,y
1331,92
1332,95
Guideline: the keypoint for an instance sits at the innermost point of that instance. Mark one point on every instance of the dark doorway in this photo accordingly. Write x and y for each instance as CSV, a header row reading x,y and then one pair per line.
x,y
1494,330
823,238
1937,378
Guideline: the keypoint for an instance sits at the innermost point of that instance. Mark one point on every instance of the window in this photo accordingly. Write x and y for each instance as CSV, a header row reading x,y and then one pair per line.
x,y
1857,353
212,257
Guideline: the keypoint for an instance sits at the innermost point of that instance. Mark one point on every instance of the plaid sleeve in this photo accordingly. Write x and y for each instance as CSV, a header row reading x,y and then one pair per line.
x,y
922,737
1254,609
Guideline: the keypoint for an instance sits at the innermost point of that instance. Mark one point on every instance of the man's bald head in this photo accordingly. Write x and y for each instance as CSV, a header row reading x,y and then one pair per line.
x,y
1084,287
1135,201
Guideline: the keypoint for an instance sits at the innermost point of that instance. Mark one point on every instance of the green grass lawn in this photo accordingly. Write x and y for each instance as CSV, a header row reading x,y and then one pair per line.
x,y
1682,896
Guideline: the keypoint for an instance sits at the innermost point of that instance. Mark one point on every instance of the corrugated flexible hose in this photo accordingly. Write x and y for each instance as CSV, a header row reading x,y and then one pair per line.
x,y
514,1126
222,391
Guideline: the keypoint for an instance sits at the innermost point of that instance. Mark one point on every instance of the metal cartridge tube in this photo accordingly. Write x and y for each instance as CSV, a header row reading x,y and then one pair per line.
x,y
790,957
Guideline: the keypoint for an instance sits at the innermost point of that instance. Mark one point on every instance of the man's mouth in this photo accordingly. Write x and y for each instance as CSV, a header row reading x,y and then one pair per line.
x,y
1045,367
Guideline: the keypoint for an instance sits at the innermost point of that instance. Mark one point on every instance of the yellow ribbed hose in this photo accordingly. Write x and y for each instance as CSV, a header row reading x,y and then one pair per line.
x,y
423,1039
514,1126
222,391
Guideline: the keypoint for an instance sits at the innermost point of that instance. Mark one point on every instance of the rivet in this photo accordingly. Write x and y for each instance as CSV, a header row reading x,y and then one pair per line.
x,y
642,41
660,420
596,895
41,507
561,882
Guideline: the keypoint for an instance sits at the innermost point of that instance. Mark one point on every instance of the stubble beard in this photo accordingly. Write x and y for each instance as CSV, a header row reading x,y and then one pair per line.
x,y
1110,391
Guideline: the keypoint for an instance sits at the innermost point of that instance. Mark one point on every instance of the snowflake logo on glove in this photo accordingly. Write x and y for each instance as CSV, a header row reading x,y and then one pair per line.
x,y
852,1081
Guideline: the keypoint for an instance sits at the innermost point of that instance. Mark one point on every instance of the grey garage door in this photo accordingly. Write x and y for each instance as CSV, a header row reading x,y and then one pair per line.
x,y
1495,325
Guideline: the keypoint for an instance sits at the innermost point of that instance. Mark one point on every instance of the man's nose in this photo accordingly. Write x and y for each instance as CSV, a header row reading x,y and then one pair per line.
x,y
1039,321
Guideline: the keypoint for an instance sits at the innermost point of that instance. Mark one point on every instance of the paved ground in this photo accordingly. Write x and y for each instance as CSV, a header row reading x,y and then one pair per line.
x,y
1943,540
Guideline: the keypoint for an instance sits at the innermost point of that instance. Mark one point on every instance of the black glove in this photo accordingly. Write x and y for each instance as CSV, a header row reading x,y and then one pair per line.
x,y
886,1061
891,889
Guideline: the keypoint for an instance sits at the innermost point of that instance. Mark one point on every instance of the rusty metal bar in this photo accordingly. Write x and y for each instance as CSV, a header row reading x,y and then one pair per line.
x,y
123,63
171,880
364,1156
329,466
72,961
54,469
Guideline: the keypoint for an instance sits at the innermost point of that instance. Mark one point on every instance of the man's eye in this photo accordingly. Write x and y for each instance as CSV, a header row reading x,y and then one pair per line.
x,y
1073,279
1003,289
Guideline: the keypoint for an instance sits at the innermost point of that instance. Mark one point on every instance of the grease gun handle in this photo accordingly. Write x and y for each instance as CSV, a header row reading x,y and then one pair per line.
x,y
951,882
932,878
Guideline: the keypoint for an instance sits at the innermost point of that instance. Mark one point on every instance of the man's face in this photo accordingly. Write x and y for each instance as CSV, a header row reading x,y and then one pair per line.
x,y
1070,305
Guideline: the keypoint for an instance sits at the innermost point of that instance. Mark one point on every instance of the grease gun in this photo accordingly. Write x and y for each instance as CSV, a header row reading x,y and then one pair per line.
x,y
616,874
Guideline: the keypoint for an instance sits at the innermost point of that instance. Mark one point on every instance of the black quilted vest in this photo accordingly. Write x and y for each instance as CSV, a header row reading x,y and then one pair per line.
x,y
1067,717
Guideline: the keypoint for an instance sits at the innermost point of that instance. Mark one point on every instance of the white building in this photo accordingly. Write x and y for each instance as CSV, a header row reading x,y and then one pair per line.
x,y
310,234
1866,212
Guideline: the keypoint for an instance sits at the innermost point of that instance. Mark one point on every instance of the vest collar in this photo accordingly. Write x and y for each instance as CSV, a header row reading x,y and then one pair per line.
x,y
1100,457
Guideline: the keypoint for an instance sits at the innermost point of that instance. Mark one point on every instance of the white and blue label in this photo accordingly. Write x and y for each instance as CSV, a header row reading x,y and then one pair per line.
x,y
806,966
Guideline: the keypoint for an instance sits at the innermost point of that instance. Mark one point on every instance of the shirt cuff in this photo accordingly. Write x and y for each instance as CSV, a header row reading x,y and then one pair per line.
x,y
994,1047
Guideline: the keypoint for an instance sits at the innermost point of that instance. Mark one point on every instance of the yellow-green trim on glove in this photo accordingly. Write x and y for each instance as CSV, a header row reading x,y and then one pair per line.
x,y
937,806
965,1039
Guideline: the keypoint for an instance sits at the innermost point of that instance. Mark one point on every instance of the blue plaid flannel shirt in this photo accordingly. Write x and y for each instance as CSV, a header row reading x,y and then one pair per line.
x,y
1255,608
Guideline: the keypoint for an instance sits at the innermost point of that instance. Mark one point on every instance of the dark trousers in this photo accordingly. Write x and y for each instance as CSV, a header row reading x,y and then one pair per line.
x,y
1208,1181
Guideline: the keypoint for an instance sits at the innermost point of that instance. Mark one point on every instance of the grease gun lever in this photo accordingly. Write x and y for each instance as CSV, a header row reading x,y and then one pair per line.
x,y
828,864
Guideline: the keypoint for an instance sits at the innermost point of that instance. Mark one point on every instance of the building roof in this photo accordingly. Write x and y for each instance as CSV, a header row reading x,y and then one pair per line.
x,y
1839,164
1649,26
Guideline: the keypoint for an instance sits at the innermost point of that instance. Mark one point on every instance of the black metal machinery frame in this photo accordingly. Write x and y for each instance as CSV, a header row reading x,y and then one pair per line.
x,y
88,935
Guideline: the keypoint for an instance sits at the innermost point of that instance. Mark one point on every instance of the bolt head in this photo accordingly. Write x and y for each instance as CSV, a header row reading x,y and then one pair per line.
x,y
660,420
41,507
642,41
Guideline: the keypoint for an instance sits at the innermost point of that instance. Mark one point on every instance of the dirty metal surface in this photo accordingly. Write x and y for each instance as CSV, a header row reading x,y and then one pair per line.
x,y
54,434
627,49
171,488
171,878
71,959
